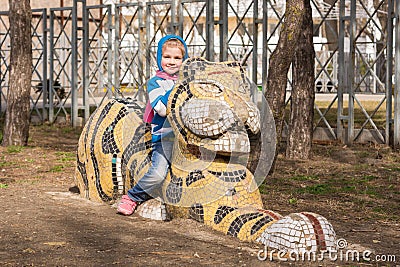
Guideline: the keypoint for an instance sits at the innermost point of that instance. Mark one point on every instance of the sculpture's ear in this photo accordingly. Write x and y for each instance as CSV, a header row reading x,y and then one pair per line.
x,y
194,60
235,65
191,65
196,66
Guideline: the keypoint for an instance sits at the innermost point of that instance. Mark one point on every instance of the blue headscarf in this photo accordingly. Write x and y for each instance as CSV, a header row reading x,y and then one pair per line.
x,y
161,43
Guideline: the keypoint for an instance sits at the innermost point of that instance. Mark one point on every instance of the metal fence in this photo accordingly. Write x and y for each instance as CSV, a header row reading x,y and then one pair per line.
x,y
85,54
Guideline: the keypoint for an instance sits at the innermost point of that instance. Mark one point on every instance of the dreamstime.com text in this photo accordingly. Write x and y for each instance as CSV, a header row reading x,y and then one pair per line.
x,y
338,254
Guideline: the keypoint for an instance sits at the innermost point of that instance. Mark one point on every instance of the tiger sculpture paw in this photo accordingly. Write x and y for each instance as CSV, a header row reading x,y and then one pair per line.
x,y
223,150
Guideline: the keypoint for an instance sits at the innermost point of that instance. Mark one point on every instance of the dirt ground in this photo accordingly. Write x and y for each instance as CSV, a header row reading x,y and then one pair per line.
x,y
44,222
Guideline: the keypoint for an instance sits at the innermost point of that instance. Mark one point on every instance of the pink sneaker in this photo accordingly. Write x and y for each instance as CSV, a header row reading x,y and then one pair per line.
x,y
126,206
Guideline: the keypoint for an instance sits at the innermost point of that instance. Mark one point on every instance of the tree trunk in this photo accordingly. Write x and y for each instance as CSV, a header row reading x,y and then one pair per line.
x,y
16,129
280,62
300,132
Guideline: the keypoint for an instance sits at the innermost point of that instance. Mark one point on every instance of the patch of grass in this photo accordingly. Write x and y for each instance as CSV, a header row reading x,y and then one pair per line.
x,y
14,149
4,163
69,130
66,156
363,154
378,209
371,191
66,130
393,168
304,178
57,168
264,189
349,188
357,180
45,129
359,186
3,185
27,181
367,178
317,189
293,200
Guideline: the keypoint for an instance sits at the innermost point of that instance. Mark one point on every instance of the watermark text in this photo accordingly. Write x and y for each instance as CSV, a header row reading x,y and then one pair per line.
x,y
340,253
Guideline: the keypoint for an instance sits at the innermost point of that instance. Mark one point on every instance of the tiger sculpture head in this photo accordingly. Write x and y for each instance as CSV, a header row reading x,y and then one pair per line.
x,y
217,129
223,149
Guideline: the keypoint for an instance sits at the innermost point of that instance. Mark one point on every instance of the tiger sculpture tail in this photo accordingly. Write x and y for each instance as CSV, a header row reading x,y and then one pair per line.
x,y
223,150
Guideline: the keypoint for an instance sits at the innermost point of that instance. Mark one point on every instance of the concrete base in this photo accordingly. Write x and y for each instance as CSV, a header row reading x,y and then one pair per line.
x,y
363,137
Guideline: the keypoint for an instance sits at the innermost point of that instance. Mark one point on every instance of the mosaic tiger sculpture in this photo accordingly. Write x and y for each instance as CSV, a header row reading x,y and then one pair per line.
x,y
213,178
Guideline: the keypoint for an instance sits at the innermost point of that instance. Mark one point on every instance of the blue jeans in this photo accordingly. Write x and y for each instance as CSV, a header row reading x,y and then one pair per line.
x,y
149,185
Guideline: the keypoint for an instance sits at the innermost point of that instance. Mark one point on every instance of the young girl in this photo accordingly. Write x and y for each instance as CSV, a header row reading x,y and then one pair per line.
x,y
171,52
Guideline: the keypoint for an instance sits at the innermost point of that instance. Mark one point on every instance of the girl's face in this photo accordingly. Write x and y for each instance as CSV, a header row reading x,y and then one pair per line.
x,y
171,60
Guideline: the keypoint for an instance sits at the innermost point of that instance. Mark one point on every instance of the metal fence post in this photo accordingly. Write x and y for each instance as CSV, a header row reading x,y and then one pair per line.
x,y
265,46
352,32
74,66
142,51
223,30
255,41
85,65
341,72
148,42
173,28
389,72
110,58
210,30
45,31
396,131
51,57
117,21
